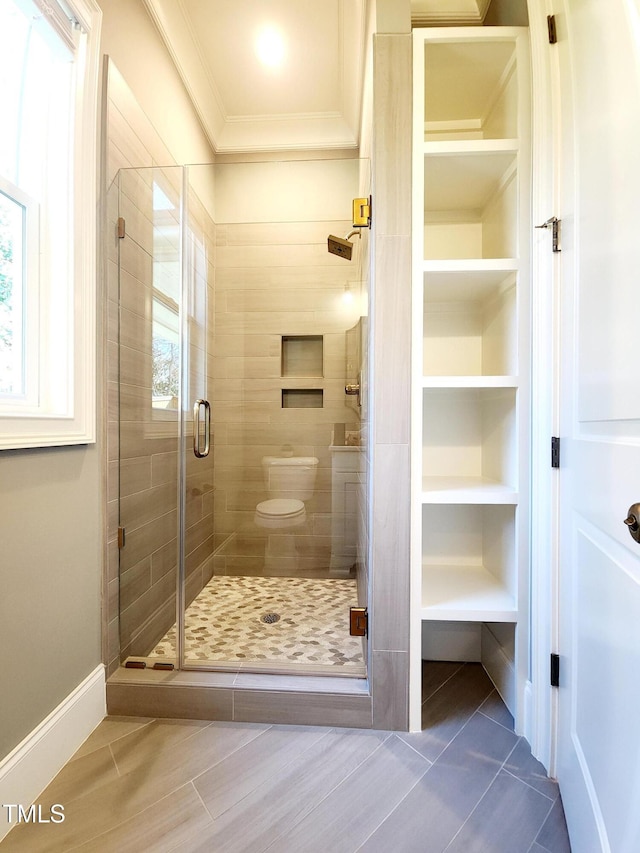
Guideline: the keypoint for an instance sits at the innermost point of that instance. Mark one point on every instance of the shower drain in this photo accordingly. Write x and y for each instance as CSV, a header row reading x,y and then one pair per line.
x,y
270,618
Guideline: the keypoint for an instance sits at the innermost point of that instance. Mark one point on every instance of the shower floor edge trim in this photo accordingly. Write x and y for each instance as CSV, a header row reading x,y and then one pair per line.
x,y
239,704
243,680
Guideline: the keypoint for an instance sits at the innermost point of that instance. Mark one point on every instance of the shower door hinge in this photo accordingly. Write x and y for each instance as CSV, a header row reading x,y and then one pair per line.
x,y
361,209
121,537
358,621
554,670
121,228
551,25
555,451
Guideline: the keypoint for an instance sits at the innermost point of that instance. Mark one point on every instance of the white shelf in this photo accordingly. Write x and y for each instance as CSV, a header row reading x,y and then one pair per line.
x,y
470,382
465,594
465,181
466,280
470,146
466,490
470,265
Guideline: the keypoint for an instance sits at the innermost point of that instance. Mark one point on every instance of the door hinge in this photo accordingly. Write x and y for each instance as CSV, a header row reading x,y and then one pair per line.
x,y
554,670
121,228
121,537
551,25
358,621
554,223
555,451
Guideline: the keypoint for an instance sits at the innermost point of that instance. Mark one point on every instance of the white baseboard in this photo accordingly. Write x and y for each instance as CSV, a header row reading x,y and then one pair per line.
x,y
31,766
453,641
528,722
500,668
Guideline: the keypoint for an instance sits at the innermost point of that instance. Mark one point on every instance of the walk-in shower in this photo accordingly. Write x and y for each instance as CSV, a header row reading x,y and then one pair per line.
x,y
241,470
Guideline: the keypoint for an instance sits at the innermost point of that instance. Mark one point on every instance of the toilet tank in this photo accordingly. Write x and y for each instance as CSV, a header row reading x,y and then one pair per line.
x,y
290,477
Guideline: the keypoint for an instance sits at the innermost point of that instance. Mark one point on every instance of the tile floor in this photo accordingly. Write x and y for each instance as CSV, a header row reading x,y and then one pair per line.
x,y
224,623
465,784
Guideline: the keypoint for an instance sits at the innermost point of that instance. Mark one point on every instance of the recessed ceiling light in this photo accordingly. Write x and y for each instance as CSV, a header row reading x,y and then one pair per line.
x,y
270,47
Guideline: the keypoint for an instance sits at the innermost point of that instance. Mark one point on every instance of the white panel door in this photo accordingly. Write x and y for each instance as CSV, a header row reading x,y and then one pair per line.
x,y
598,55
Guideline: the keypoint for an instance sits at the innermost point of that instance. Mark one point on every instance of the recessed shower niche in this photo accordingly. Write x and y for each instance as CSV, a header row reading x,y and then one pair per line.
x,y
302,355
302,398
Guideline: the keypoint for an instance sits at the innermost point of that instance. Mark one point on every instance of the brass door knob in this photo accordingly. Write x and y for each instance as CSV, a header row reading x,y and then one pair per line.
x,y
633,521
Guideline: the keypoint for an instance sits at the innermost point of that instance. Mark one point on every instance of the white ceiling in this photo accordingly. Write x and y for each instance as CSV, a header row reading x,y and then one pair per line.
x,y
313,98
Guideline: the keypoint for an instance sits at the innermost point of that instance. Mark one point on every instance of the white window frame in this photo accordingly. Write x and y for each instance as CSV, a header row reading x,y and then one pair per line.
x,y
70,418
27,400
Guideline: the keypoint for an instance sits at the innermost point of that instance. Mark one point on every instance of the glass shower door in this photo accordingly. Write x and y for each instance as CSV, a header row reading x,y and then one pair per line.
x,y
150,253
197,494
165,447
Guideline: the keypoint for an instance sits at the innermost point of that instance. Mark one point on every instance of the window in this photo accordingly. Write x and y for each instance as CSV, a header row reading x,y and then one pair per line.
x,y
166,300
18,234
48,80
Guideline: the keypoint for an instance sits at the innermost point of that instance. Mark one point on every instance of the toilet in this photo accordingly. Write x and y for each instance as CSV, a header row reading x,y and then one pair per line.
x,y
290,482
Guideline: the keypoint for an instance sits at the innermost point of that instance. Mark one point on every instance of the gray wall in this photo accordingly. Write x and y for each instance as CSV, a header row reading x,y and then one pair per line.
x,y
50,540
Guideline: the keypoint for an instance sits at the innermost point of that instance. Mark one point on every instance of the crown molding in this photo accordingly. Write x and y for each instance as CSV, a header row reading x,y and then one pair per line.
x,y
445,13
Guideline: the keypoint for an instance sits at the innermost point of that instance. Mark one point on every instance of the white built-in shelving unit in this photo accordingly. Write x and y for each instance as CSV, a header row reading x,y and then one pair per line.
x,y
471,175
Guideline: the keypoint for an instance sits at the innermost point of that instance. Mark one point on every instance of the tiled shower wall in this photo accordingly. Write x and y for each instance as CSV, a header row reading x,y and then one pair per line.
x,y
274,281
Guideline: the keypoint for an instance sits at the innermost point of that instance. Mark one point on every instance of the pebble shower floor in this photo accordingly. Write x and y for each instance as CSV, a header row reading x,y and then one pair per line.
x,y
225,622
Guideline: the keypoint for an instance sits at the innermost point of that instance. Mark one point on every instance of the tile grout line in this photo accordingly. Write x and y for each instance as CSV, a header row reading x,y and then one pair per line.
x,y
173,790
473,810
328,794
161,720
295,757
115,740
533,787
233,751
483,795
497,722
115,763
397,806
440,686
448,744
131,817
502,768
417,751
535,843
506,770
204,805
545,819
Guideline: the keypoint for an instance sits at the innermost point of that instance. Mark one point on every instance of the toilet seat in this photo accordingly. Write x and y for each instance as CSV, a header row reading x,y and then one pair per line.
x,y
277,511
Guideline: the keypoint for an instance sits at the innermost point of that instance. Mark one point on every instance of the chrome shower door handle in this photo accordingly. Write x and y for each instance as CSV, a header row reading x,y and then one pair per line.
x,y
353,389
197,450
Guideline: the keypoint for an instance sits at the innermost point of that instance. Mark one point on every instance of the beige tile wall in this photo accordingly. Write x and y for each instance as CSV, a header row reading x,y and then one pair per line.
x,y
274,281
391,355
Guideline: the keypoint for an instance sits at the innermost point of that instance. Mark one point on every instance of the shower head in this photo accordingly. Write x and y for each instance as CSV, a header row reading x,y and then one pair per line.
x,y
341,247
